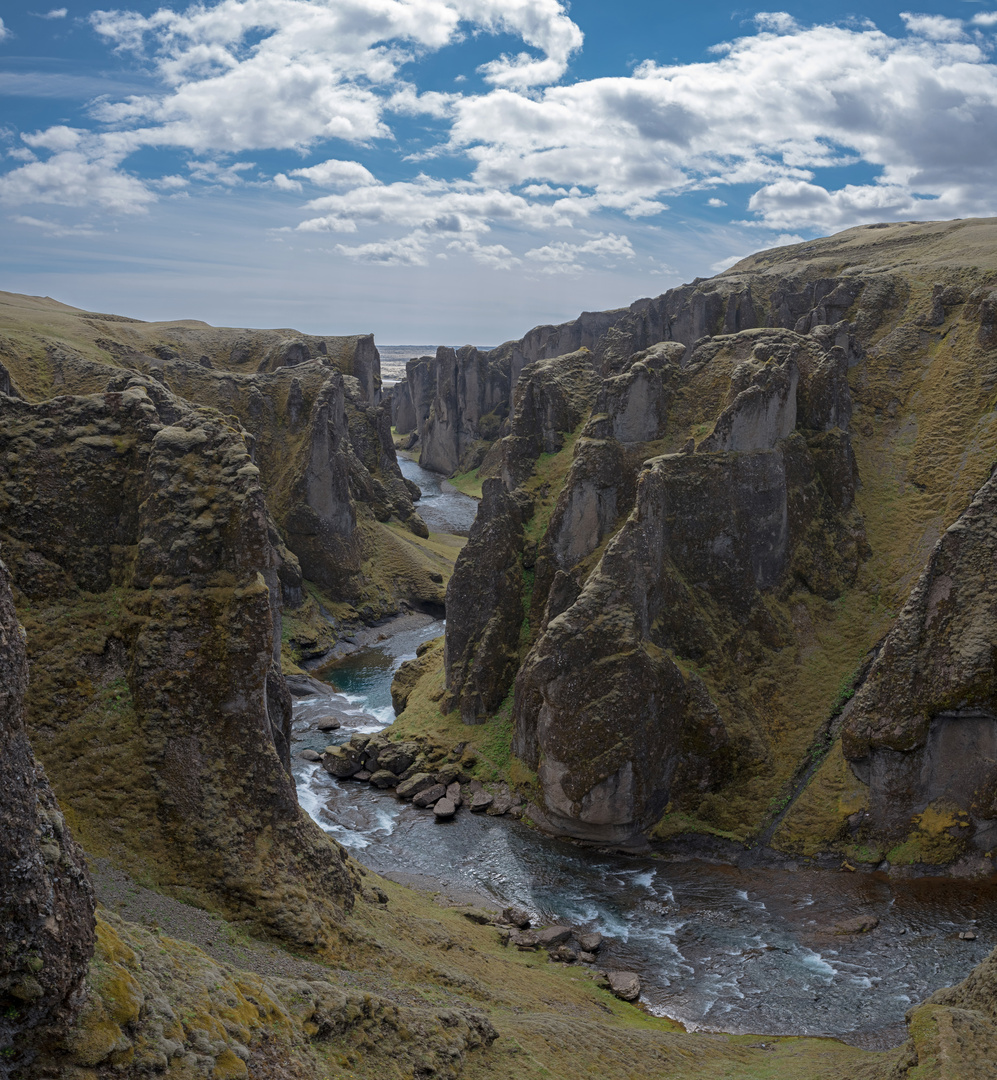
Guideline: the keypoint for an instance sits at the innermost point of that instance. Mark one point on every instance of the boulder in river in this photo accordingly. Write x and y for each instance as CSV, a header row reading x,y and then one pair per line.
x,y
481,801
309,755
444,809
624,984
342,761
429,796
329,723
453,794
411,787
589,942
383,779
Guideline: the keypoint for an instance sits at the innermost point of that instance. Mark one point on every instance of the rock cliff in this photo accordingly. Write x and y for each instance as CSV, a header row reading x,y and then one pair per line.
x,y
721,532
318,432
46,899
148,571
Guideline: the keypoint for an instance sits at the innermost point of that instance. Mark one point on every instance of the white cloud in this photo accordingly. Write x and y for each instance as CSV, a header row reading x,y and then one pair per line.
x,y
778,22
715,202
567,258
985,18
55,228
55,13
935,27
54,138
4,32
213,173
335,173
434,206
408,250
86,177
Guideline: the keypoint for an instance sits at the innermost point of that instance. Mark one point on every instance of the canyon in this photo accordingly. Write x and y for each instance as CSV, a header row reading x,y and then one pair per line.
x,y
726,596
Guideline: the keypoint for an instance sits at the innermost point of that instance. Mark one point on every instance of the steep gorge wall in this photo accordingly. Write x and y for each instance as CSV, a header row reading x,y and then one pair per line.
x,y
46,899
760,473
147,570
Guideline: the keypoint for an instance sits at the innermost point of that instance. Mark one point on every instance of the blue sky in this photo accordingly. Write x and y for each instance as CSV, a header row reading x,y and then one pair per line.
x,y
461,170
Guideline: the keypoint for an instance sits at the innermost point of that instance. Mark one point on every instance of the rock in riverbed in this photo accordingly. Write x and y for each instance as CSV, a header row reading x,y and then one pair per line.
x,y
444,809
429,796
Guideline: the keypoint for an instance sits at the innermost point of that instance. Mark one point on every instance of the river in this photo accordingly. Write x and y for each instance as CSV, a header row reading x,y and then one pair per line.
x,y
718,948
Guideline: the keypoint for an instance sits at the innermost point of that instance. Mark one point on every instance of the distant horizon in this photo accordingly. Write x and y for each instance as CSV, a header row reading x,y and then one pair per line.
x,y
477,164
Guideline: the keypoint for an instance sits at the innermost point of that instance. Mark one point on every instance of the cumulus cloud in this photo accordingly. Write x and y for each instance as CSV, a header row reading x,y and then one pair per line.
x,y
55,13
4,32
568,258
83,177
534,153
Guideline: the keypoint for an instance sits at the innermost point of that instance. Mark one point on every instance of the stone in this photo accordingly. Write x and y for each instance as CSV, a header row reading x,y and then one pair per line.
x,y
524,940
444,809
500,804
587,957
397,757
330,723
552,935
363,775
342,761
478,915
454,793
309,755
411,786
563,954
516,916
429,795
861,924
590,943
480,801
449,773
624,984
383,779
967,935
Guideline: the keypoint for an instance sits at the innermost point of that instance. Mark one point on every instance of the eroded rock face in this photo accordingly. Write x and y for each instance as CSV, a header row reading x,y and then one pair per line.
x,y
136,527
607,707
486,592
922,730
46,900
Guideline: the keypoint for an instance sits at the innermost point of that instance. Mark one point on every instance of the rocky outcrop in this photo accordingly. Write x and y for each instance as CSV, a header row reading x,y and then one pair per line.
x,y
471,399
46,900
138,537
486,590
319,433
922,729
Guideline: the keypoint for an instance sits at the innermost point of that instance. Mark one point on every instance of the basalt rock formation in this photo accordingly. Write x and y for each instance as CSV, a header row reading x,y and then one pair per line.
x,y
703,554
148,573
319,432
922,729
456,403
46,899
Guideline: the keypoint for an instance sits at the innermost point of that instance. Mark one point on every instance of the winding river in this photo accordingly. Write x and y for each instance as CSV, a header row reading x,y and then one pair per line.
x,y
718,948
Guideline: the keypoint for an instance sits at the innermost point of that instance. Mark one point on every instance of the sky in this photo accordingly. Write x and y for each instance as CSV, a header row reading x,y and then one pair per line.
x,y
461,170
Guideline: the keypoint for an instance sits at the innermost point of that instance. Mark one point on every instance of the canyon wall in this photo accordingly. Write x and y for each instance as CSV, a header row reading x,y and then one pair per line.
x,y
684,575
